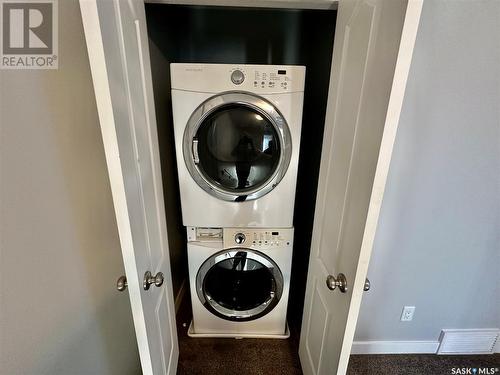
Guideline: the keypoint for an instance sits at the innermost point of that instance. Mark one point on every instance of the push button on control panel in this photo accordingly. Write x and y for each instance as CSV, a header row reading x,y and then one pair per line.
x,y
237,77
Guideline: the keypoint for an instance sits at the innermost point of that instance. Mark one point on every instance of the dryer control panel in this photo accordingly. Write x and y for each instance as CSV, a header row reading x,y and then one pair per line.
x,y
263,79
257,238
216,78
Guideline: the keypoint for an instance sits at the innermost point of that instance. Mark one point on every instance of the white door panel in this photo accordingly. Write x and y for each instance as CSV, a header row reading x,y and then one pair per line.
x,y
118,51
371,58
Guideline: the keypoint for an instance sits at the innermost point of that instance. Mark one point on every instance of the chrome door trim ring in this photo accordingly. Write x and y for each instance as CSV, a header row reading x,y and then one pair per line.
x,y
263,107
239,315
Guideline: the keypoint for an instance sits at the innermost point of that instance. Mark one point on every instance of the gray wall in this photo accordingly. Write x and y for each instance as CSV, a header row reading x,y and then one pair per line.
x,y
60,313
437,245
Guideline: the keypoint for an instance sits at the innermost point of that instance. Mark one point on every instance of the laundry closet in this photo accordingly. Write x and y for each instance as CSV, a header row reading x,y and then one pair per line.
x,y
237,37
247,144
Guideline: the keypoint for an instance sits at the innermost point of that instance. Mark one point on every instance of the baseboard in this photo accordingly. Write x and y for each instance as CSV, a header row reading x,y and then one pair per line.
x,y
394,347
180,295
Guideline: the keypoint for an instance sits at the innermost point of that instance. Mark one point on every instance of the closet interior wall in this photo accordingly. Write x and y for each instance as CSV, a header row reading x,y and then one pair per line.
x,y
196,34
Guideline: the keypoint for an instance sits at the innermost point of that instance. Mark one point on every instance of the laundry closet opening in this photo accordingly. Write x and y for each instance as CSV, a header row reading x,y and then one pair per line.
x,y
240,35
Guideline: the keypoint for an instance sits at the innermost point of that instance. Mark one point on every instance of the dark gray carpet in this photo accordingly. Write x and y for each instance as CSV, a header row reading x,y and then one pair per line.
x,y
420,364
207,356
279,357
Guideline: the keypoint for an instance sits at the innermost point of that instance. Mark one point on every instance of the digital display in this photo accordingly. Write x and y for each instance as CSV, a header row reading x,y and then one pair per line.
x,y
281,71
275,233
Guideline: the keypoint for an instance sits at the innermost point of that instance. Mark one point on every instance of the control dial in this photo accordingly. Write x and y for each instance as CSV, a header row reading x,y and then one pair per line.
x,y
239,238
237,77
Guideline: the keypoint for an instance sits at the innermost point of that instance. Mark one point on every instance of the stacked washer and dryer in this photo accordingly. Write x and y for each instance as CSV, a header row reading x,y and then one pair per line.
x,y
237,136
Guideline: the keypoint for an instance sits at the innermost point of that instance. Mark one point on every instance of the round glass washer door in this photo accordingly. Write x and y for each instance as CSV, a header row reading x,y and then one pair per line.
x,y
237,146
239,284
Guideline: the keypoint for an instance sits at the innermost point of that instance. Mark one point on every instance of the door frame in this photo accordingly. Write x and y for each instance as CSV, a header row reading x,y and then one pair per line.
x,y
276,4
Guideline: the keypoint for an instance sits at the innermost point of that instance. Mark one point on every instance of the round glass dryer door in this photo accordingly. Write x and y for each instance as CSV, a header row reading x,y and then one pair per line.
x,y
239,284
237,146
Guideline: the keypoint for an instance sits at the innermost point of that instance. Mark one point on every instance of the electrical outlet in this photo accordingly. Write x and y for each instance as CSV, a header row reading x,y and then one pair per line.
x,y
407,314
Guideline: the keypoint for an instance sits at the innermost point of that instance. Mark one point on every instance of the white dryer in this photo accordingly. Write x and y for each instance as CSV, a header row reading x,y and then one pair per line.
x,y
239,281
237,137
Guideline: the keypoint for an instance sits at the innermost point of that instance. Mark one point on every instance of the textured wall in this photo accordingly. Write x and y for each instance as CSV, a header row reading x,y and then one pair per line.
x,y
60,313
437,245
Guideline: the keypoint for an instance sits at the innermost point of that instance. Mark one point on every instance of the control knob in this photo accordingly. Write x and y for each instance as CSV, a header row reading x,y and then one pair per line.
x,y
237,77
239,238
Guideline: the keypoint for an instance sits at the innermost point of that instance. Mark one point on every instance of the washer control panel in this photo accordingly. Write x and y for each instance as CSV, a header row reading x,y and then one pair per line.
x,y
258,238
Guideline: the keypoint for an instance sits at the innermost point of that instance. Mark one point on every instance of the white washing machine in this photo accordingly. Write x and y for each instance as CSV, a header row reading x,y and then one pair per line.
x,y
237,137
239,281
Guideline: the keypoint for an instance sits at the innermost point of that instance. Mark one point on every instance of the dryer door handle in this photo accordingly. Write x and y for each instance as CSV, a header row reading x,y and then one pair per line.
x,y
196,157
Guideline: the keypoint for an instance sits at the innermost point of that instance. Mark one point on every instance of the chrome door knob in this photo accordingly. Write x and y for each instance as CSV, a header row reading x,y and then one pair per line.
x,y
340,281
121,283
367,285
150,279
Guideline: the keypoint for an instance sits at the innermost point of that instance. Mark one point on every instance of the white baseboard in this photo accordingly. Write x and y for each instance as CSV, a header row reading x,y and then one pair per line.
x,y
394,347
180,295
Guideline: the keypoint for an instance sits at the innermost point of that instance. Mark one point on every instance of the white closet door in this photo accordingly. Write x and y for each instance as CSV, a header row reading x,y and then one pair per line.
x,y
117,42
372,53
